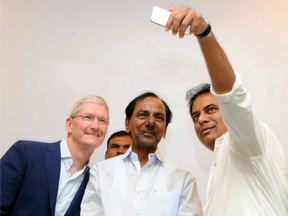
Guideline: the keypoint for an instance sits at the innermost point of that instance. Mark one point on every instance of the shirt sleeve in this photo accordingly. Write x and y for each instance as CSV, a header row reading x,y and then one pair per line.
x,y
248,133
91,203
12,169
190,203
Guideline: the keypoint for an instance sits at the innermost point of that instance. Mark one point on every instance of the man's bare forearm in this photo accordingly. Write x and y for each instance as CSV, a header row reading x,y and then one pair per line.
x,y
220,70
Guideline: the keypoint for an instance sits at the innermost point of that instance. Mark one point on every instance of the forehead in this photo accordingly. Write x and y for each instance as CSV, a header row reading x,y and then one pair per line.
x,y
93,108
125,139
204,100
151,104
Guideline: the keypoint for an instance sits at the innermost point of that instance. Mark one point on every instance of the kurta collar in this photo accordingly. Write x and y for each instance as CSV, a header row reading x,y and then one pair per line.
x,y
157,155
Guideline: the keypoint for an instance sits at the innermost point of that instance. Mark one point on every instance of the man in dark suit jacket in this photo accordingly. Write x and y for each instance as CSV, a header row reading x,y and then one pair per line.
x,y
50,178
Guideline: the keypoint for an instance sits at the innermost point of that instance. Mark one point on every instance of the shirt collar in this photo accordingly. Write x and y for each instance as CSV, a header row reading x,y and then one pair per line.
x,y
219,140
66,158
65,153
152,156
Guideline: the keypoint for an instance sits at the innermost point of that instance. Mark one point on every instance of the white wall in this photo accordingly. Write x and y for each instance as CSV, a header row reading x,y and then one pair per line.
x,y
54,52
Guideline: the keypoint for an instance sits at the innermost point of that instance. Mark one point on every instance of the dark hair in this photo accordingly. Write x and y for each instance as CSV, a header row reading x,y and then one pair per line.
x,y
131,106
117,134
193,93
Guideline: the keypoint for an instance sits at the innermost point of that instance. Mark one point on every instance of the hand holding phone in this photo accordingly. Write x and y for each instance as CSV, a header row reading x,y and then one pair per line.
x,y
181,20
160,16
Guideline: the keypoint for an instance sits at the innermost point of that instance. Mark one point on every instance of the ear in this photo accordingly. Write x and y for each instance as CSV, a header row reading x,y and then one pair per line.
x,y
127,121
69,125
105,155
164,134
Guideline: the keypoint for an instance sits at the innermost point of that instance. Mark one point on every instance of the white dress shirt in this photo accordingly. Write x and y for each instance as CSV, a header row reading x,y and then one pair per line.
x,y
119,187
68,185
248,175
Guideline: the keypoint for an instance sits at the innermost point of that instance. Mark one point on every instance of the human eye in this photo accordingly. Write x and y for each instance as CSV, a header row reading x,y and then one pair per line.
x,y
159,117
211,109
195,117
87,118
141,115
103,121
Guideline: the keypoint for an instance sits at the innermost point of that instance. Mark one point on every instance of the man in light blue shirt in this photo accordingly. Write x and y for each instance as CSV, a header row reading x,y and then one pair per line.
x,y
141,182
49,179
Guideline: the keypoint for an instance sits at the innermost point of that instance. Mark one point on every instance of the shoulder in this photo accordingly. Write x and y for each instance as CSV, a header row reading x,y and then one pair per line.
x,y
111,161
35,145
176,169
109,164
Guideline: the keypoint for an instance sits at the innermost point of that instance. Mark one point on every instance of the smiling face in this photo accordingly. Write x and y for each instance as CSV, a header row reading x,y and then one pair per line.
x,y
118,145
207,119
85,134
148,123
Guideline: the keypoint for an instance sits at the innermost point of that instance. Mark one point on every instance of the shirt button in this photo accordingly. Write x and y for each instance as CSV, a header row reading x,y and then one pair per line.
x,y
139,192
60,201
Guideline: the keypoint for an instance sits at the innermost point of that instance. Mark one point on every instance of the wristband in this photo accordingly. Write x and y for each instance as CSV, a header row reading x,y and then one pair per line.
x,y
206,32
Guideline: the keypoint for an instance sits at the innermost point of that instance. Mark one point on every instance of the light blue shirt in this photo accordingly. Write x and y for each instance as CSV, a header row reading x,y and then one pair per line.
x,y
68,185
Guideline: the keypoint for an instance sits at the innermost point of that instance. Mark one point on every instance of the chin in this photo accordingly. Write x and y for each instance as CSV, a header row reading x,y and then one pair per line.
x,y
208,144
95,143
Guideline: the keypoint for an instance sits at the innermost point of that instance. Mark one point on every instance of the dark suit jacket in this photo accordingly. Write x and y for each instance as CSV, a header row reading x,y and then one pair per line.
x,y
29,180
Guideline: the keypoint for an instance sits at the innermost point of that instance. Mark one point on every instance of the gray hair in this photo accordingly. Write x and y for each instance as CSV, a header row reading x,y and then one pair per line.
x,y
77,106
193,93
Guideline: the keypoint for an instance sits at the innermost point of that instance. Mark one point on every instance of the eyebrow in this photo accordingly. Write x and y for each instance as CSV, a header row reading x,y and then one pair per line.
x,y
147,112
196,112
159,113
114,144
209,105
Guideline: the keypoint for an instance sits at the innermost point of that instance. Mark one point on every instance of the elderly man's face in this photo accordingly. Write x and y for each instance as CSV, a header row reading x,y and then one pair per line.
x,y
88,134
118,145
148,122
207,119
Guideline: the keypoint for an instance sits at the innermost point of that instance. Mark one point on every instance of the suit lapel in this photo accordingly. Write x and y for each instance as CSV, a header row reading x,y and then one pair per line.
x,y
75,204
53,164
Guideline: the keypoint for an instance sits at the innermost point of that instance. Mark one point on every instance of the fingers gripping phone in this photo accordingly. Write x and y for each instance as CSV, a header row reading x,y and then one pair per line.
x,y
160,16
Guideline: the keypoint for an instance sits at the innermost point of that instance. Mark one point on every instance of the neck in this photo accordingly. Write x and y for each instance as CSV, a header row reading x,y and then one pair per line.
x,y
80,155
143,153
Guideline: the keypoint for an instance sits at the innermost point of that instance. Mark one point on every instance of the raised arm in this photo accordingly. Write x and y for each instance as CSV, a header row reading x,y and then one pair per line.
x,y
219,68
247,131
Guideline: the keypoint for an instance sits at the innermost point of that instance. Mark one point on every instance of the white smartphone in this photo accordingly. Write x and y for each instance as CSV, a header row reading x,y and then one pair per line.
x,y
160,17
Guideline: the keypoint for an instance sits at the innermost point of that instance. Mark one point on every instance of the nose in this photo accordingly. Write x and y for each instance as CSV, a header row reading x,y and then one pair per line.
x,y
120,150
150,121
94,124
203,118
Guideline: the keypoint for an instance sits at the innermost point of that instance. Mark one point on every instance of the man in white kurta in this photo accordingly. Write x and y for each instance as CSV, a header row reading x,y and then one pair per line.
x,y
249,175
119,186
141,182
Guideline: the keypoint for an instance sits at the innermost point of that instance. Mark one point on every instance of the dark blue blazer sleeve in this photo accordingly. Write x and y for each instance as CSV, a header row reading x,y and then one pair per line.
x,y
12,168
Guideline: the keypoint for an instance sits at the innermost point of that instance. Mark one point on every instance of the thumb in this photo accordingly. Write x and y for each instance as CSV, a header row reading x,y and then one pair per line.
x,y
171,8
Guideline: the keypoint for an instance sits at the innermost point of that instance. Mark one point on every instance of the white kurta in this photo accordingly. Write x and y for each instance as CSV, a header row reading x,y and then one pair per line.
x,y
248,175
119,187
